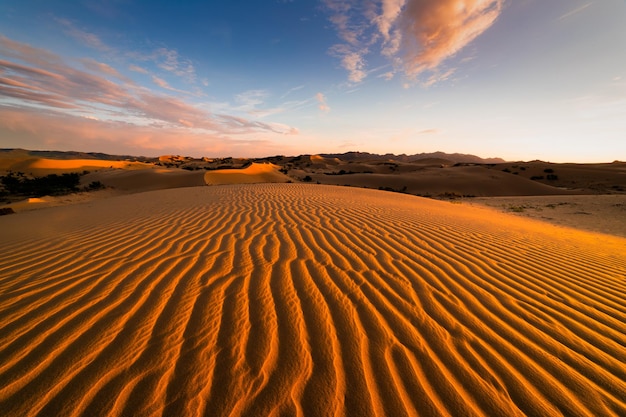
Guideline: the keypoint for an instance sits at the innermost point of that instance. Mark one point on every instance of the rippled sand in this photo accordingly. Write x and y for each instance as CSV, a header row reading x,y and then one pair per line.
x,y
290,299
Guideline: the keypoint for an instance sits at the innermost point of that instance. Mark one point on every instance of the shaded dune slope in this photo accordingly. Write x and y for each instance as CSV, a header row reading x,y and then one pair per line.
x,y
290,299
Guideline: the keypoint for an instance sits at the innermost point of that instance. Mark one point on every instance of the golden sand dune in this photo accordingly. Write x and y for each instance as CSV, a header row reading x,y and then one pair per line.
x,y
291,299
43,166
146,179
254,173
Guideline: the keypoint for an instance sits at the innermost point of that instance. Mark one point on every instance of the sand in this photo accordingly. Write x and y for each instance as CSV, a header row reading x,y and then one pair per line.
x,y
255,173
596,213
43,166
293,299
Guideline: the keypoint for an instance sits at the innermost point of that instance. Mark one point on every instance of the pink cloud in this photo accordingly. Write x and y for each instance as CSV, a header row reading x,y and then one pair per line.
x,y
321,99
32,129
94,65
138,69
435,31
416,35
64,96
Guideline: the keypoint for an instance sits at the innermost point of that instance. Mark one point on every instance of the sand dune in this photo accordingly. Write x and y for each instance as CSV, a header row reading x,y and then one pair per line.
x,y
291,299
43,166
253,174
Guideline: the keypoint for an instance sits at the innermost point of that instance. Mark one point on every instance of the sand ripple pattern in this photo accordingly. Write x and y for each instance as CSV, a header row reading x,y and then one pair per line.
x,y
288,299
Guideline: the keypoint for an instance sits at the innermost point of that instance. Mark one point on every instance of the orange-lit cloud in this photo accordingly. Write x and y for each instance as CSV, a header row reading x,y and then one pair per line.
x,y
34,129
39,88
417,35
435,31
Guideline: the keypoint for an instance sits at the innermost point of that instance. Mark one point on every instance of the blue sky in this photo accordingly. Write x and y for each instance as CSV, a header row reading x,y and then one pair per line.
x,y
522,80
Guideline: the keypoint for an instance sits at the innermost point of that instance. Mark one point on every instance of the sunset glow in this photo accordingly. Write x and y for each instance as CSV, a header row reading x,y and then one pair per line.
x,y
519,80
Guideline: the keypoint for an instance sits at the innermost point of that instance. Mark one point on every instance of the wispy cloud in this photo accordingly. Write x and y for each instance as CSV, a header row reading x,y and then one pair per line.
x,y
575,11
34,81
101,67
84,36
249,100
36,129
138,69
352,61
165,59
417,36
168,60
435,31
292,90
321,99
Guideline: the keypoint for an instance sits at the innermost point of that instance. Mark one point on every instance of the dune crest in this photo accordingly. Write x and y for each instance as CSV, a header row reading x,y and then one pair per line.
x,y
43,166
292,299
253,174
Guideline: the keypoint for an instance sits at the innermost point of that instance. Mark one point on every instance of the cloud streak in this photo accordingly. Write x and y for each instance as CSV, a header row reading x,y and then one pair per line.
x,y
417,36
34,81
575,11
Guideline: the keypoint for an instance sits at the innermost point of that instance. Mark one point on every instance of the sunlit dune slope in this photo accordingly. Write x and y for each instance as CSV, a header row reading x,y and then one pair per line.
x,y
42,166
255,173
291,299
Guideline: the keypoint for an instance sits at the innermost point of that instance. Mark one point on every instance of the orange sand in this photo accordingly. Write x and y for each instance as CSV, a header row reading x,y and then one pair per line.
x,y
42,166
253,174
291,299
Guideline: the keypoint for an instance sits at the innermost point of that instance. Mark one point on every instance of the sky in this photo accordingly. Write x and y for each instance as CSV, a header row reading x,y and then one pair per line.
x,y
516,79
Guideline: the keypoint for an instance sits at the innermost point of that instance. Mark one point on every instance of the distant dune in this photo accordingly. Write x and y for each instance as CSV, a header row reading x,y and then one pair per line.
x,y
292,299
253,174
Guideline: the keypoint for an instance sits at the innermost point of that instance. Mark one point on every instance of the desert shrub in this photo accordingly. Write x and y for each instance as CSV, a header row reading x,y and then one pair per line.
x,y
307,179
6,210
516,209
536,177
552,177
95,185
506,170
548,170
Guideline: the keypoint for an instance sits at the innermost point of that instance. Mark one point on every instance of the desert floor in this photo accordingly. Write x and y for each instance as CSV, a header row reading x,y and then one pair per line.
x,y
296,299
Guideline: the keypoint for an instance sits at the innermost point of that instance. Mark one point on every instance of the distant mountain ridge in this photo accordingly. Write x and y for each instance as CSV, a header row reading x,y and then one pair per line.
x,y
353,156
454,157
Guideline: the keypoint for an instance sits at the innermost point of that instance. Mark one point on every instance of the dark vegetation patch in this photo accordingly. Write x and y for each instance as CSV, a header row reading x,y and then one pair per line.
x,y
6,210
14,186
17,184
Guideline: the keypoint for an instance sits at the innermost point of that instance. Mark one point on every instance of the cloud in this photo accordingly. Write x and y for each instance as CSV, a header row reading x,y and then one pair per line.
x,y
352,61
292,90
34,129
168,60
165,85
84,37
164,58
417,36
138,69
575,11
94,65
435,31
249,100
62,92
321,99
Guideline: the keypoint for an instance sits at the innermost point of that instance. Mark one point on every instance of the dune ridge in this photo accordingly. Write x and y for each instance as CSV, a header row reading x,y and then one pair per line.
x,y
292,299
253,174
